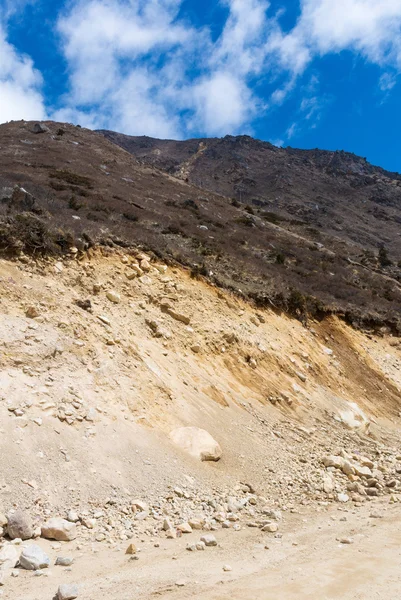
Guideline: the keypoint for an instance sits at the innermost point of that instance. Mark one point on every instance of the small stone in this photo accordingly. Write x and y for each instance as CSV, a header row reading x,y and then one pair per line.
x,y
346,540
140,505
64,561
32,312
184,528
270,527
72,516
113,296
132,549
227,568
180,583
209,540
67,592
342,497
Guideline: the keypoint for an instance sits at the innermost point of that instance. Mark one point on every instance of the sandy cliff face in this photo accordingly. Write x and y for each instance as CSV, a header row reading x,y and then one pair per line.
x,y
104,354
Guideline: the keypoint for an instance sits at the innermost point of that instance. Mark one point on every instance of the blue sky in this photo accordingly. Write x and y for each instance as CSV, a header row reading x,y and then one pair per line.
x,y
304,73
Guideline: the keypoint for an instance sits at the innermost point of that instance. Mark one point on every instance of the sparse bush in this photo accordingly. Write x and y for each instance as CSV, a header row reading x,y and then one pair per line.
x,y
131,217
75,204
383,257
72,178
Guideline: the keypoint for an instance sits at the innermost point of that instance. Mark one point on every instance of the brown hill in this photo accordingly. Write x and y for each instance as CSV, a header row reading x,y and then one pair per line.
x,y
305,237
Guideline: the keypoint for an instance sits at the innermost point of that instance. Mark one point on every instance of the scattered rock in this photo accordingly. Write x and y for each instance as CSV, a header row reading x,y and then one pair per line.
x,y
113,296
33,558
209,540
184,528
132,549
64,561
39,128
19,526
32,312
67,592
59,529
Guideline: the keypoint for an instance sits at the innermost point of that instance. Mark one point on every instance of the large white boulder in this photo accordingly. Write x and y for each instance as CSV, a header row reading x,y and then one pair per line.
x,y
197,442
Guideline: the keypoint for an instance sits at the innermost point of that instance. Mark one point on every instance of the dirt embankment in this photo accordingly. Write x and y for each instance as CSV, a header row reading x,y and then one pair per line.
x,y
104,354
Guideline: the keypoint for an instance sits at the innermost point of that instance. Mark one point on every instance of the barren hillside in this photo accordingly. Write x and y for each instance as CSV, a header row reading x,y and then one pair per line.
x,y
163,434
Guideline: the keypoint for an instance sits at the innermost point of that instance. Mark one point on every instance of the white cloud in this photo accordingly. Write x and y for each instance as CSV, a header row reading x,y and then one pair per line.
x,y
20,85
387,81
223,104
141,67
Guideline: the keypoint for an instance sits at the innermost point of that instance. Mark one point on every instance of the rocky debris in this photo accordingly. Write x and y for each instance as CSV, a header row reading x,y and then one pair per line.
x,y
67,592
19,525
59,529
197,442
159,331
33,558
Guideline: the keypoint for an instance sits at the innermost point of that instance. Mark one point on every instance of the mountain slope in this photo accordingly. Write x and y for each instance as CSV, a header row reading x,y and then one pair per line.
x,y
70,187
338,193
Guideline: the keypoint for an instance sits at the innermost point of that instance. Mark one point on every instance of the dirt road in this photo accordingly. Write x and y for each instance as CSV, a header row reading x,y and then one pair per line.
x,y
307,562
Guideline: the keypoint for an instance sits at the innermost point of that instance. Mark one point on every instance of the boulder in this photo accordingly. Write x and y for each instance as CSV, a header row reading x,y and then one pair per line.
x,y
33,558
19,526
197,442
59,529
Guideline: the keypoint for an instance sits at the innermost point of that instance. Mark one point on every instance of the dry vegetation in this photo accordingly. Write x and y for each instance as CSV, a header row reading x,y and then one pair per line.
x,y
79,189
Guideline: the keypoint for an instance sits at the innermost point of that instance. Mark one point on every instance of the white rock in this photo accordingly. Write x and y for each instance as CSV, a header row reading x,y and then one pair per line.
x,y
197,442
33,558
59,529
67,592
209,540
113,296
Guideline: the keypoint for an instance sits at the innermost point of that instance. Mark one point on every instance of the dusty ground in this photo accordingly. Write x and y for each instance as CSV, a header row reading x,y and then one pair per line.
x,y
277,396
307,562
